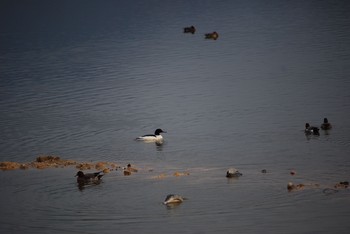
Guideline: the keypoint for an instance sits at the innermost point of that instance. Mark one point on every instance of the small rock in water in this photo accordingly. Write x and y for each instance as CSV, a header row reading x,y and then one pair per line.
x,y
293,187
173,198
233,172
343,184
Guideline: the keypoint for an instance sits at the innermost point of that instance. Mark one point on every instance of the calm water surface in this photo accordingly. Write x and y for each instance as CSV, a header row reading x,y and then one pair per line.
x,y
81,80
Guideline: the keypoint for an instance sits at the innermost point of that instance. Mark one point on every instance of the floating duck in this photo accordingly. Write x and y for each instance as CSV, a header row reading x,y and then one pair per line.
x,y
128,170
152,137
326,125
85,178
311,130
214,35
132,169
191,29
233,172
173,198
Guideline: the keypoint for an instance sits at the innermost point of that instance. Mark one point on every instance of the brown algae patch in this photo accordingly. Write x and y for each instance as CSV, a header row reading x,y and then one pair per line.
x,y
43,162
177,174
85,166
160,177
48,161
10,165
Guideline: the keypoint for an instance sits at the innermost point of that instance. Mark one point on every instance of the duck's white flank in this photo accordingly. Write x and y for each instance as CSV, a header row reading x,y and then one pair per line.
x,y
152,137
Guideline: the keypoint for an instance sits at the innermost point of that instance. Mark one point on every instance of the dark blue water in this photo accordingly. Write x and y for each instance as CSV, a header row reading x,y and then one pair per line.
x,y
82,79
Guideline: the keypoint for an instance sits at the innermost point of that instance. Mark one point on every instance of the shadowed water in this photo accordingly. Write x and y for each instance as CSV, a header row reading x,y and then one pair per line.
x,y
82,80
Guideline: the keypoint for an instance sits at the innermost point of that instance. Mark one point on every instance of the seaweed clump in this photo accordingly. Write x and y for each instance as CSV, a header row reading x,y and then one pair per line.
x,y
49,161
11,166
45,161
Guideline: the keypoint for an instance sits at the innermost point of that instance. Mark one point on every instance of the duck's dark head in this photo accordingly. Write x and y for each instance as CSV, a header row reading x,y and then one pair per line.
x,y
158,131
307,125
80,174
325,120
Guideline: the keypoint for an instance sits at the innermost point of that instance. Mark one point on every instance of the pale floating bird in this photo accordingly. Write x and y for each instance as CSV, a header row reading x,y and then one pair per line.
x,y
152,137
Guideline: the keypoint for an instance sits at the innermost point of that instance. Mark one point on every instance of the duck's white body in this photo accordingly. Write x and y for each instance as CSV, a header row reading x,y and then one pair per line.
x,y
152,137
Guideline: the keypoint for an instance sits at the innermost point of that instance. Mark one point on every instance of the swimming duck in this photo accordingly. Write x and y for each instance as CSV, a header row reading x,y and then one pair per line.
x,y
310,130
84,178
152,137
128,170
173,198
326,125
191,29
214,35
131,169
233,172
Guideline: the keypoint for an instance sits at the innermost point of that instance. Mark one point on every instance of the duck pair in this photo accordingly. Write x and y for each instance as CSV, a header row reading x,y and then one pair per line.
x,y
311,130
90,177
214,35
176,199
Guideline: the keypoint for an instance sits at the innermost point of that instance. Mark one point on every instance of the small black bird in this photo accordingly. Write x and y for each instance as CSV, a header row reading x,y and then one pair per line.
x,y
310,130
191,29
